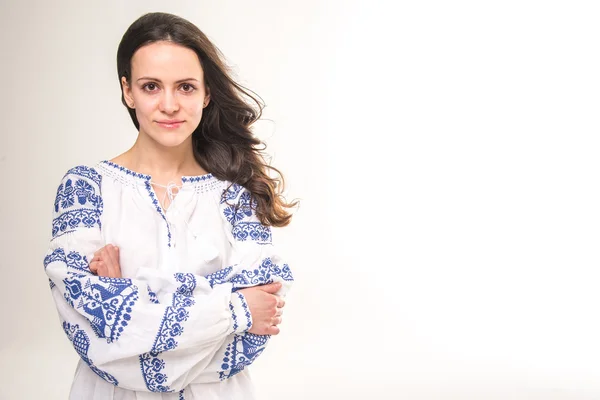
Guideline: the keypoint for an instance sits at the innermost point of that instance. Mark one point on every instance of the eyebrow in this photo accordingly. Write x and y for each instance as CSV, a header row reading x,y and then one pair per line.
x,y
159,81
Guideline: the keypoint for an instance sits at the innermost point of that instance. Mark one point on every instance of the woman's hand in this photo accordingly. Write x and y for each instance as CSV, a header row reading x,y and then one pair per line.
x,y
265,307
106,262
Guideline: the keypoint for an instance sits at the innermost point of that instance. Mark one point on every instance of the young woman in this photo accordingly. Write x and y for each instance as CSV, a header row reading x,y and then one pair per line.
x,y
161,262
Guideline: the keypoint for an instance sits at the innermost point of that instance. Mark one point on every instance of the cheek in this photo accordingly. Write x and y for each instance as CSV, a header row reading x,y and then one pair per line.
x,y
194,109
145,107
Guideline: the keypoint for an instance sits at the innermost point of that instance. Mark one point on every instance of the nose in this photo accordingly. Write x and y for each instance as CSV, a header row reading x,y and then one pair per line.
x,y
168,102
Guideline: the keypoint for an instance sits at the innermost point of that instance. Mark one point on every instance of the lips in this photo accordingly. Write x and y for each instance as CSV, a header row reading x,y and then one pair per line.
x,y
173,123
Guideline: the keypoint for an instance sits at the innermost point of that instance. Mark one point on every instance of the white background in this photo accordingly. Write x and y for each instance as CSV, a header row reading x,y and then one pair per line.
x,y
446,156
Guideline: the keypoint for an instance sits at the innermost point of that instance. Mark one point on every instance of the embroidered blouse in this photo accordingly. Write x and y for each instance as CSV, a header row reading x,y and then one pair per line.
x,y
175,325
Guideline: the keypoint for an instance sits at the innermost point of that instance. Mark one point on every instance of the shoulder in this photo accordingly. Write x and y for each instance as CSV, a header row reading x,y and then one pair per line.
x,y
84,173
231,192
79,189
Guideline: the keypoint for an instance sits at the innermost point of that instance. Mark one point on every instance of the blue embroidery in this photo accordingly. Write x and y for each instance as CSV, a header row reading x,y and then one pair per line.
x,y
171,327
86,172
245,200
262,275
127,171
235,324
107,303
181,395
151,370
73,260
194,179
68,221
240,217
188,283
254,231
81,342
241,352
52,284
235,214
246,309
231,193
241,210
72,192
152,295
117,281
219,277
82,191
64,196
247,347
159,209
285,272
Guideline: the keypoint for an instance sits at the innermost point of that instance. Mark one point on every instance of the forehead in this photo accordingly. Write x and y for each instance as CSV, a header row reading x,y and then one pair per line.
x,y
166,60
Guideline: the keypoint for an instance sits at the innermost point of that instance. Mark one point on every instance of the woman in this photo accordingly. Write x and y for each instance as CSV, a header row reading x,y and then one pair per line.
x,y
161,262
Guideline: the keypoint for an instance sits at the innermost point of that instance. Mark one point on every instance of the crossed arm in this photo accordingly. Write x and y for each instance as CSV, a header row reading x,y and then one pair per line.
x,y
266,307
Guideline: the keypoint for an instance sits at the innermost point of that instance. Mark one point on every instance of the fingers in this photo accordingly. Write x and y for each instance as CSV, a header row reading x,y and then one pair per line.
x,y
271,287
280,302
102,269
273,330
114,252
106,262
112,260
94,266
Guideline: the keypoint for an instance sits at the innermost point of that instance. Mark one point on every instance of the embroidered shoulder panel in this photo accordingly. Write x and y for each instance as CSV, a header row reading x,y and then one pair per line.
x,y
78,201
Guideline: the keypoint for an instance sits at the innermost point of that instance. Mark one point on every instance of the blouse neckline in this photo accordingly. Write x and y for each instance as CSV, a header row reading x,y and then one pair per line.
x,y
125,172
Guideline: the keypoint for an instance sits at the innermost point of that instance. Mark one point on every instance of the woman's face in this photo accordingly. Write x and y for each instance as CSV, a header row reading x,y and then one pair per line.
x,y
167,92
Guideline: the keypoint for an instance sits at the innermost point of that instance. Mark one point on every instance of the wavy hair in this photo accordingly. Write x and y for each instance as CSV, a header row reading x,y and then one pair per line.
x,y
223,143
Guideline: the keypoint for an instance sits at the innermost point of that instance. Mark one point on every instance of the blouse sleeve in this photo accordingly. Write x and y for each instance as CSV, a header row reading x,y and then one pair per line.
x,y
254,261
116,325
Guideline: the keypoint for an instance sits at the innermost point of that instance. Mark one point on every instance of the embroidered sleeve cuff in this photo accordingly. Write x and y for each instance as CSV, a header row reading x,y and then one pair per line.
x,y
240,313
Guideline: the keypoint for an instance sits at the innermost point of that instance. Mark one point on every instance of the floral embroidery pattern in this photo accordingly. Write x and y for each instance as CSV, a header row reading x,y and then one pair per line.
x,y
219,277
106,302
254,231
171,327
231,193
262,275
81,342
241,352
73,260
152,296
241,217
78,202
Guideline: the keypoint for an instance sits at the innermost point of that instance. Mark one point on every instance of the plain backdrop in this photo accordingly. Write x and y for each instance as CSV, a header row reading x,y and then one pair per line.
x,y
445,154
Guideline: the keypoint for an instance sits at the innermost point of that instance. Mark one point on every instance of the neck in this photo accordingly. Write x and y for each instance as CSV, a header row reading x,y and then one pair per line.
x,y
164,164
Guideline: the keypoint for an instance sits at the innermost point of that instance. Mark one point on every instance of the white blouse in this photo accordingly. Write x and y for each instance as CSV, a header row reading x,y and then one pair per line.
x,y
175,325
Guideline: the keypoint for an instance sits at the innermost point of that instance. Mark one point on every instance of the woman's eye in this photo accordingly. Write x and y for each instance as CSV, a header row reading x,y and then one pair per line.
x,y
150,86
187,87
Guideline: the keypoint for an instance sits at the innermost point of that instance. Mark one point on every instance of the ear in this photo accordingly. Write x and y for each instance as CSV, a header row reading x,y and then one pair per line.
x,y
127,93
206,98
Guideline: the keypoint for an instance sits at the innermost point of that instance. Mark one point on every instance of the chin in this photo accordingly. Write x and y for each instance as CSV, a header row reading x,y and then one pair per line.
x,y
166,137
171,139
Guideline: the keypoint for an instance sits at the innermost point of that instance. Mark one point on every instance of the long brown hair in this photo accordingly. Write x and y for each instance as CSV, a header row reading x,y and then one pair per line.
x,y
223,143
